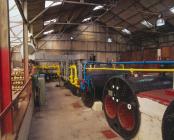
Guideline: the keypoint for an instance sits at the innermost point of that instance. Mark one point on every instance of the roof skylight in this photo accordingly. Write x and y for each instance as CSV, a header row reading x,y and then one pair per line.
x,y
147,24
52,3
98,7
48,32
126,31
86,19
49,21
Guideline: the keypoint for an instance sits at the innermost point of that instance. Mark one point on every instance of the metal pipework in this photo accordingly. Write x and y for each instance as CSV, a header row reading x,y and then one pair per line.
x,y
133,62
120,101
129,69
73,83
133,70
48,67
92,87
71,74
126,63
74,80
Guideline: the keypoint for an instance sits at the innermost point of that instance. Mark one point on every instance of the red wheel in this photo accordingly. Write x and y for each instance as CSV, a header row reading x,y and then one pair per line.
x,y
110,107
126,117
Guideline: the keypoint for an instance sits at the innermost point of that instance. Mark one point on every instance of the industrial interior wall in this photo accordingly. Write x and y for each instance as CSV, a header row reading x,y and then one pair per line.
x,y
149,54
103,51
87,40
168,53
144,55
165,43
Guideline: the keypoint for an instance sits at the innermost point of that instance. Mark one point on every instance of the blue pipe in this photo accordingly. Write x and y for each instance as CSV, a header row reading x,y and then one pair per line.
x,y
166,62
122,63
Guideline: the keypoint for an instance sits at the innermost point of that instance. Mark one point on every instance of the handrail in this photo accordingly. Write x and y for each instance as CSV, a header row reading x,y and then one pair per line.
x,y
8,107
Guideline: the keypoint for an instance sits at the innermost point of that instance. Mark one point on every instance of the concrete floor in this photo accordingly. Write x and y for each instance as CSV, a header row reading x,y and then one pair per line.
x,y
64,117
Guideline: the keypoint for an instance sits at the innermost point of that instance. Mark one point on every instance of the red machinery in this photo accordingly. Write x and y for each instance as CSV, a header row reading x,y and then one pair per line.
x,y
136,107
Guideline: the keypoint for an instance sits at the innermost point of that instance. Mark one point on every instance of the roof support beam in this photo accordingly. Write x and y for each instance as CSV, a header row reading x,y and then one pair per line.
x,y
40,14
50,24
82,3
68,2
15,35
12,7
19,5
144,8
69,23
75,17
44,29
113,16
85,51
98,18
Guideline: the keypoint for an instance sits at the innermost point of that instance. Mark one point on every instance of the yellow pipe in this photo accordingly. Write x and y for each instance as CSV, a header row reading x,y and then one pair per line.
x,y
47,67
74,77
71,74
133,70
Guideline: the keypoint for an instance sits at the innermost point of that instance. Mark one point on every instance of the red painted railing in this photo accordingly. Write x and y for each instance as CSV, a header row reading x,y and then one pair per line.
x,y
18,108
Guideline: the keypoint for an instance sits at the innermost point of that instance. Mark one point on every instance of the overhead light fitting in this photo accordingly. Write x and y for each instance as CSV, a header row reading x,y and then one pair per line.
x,y
146,23
98,7
86,19
109,40
172,10
49,21
48,32
48,3
160,21
72,38
126,31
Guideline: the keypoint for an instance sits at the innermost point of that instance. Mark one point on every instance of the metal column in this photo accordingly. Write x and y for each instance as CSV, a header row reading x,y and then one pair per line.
x,y
5,76
26,72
